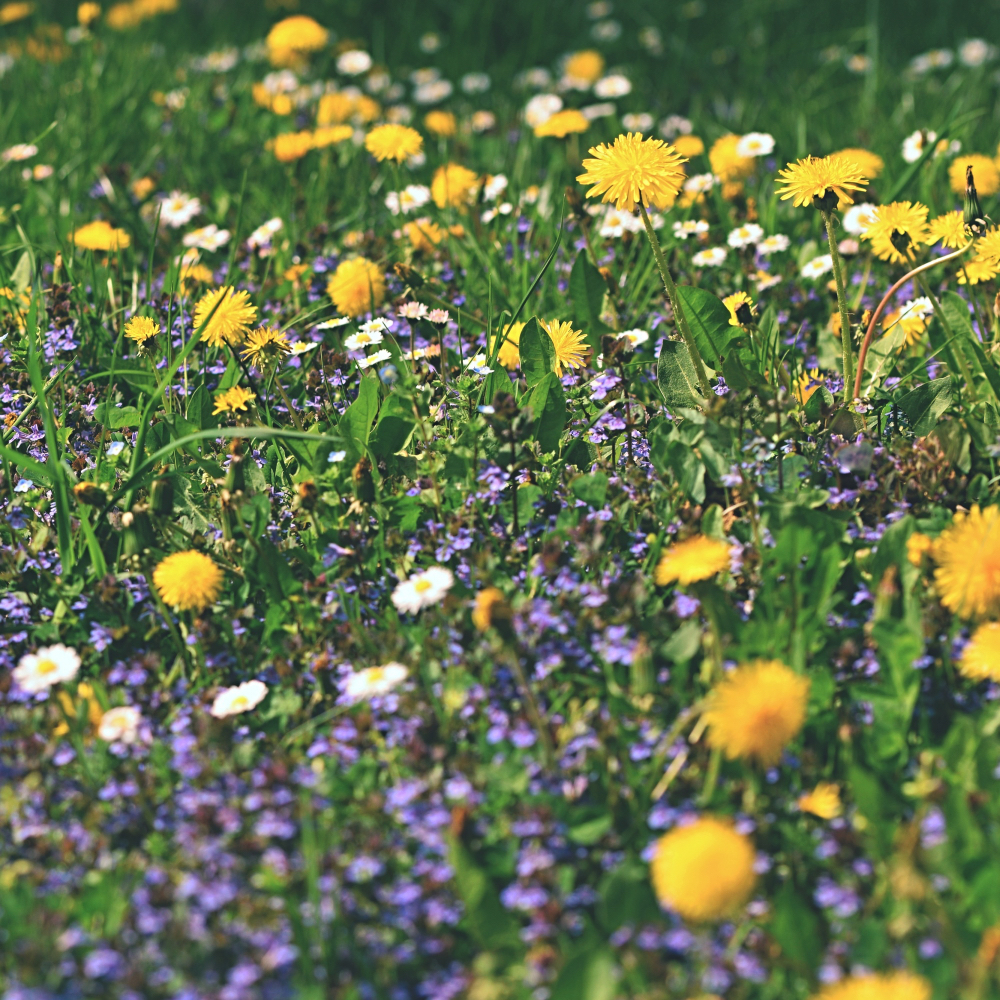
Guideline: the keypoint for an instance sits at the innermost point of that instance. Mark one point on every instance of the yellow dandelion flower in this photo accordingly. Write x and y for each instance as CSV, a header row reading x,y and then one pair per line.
x,y
584,67
101,235
265,348
689,146
948,230
918,545
871,164
330,135
696,558
726,163
357,287
981,657
808,383
291,146
453,185
11,12
87,13
978,270
822,801
141,328
967,554
571,346
562,124
704,871
488,601
756,710
896,230
423,234
988,245
509,355
290,40
189,580
393,142
984,170
193,273
741,309
232,400
335,108
233,316
441,123
878,986
633,169
821,181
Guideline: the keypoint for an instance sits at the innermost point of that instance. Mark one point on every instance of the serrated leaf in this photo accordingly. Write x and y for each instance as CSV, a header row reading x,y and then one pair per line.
x,y
676,377
548,403
708,319
586,292
537,353
924,405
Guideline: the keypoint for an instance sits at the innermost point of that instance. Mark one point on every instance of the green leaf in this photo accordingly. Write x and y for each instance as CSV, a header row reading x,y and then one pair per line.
x,y
497,381
797,928
708,319
548,403
489,922
591,831
586,292
117,416
537,352
676,377
394,427
230,376
591,974
21,276
627,898
820,402
882,355
956,311
199,409
356,423
591,489
924,405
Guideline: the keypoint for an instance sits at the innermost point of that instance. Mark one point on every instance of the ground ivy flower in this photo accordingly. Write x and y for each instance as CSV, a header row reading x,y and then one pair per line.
x,y
423,589
239,699
48,666
703,871
374,682
696,558
189,580
633,170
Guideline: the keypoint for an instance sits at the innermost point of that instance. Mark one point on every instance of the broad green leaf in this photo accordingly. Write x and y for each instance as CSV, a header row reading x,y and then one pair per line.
x,y
356,423
538,353
548,403
675,375
592,489
627,898
924,405
394,427
882,355
591,974
199,409
117,416
708,319
796,926
591,830
21,275
497,381
586,292
956,311
489,922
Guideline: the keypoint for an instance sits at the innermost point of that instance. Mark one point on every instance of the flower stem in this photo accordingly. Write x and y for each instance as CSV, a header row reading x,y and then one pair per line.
x,y
845,322
675,303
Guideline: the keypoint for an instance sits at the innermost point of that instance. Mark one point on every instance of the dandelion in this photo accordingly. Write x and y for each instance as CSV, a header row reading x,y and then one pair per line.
x,y
981,657
948,230
453,185
178,209
741,309
488,601
232,317
239,699
509,355
727,163
141,328
291,146
703,871
441,123
756,710
823,182
748,234
330,135
897,229
87,13
423,589
634,171
265,348
50,665
755,144
562,124
424,235
232,400
817,266
120,725
713,257
918,545
871,164
292,39
968,556
374,682
696,558
978,270
878,986
393,142
583,69
984,169
357,286
188,580
570,345
777,243
822,801
101,235
689,146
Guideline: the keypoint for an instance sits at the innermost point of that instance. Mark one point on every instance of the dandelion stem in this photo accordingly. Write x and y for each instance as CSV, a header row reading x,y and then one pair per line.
x,y
675,303
845,322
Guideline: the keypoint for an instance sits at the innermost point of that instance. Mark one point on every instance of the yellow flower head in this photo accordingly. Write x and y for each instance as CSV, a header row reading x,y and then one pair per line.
x,y
562,124
290,40
918,545
571,347
441,123
984,172
808,383
584,67
822,801
234,314
978,270
703,871
87,13
948,230
987,246
696,558
11,12
393,142
265,348
141,328
101,235
188,580
453,185
357,287
510,355
968,563
335,108
896,230
689,146
330,135
871,164
423,234
232,400
291,146
756,710
726,163
741,308
981,657
633,169
488,601
821,181
878,986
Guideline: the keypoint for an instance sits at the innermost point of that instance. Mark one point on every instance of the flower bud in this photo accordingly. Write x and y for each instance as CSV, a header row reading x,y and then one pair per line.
x,y
90,494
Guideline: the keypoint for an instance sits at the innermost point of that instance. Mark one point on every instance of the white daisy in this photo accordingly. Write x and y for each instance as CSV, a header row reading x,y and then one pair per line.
x,y
755,144
120,725
354,63
541,108
423,589
915,144
690,227
745,235
50,665
712,257
858,218
20,151
411,197
332,324
641,122
975,52
699,183
817,267
479,366
773,244
374,359
209,237
263,233
374,682
412,310
362,339
634,337
494,187
179,209
239,699
614,85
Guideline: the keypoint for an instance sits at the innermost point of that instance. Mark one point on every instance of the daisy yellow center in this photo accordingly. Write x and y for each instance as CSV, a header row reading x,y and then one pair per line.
x,y
375,675
46,667
421,586
241,702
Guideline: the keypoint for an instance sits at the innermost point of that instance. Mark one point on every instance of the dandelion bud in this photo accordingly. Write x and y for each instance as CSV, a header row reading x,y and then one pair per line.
x,y
308,495
161,496
996,305
90,494
138,530
364,485
410,275
974,219
491,609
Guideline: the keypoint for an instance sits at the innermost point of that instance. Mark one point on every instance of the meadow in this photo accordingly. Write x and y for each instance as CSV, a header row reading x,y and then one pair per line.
x,y
499,501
